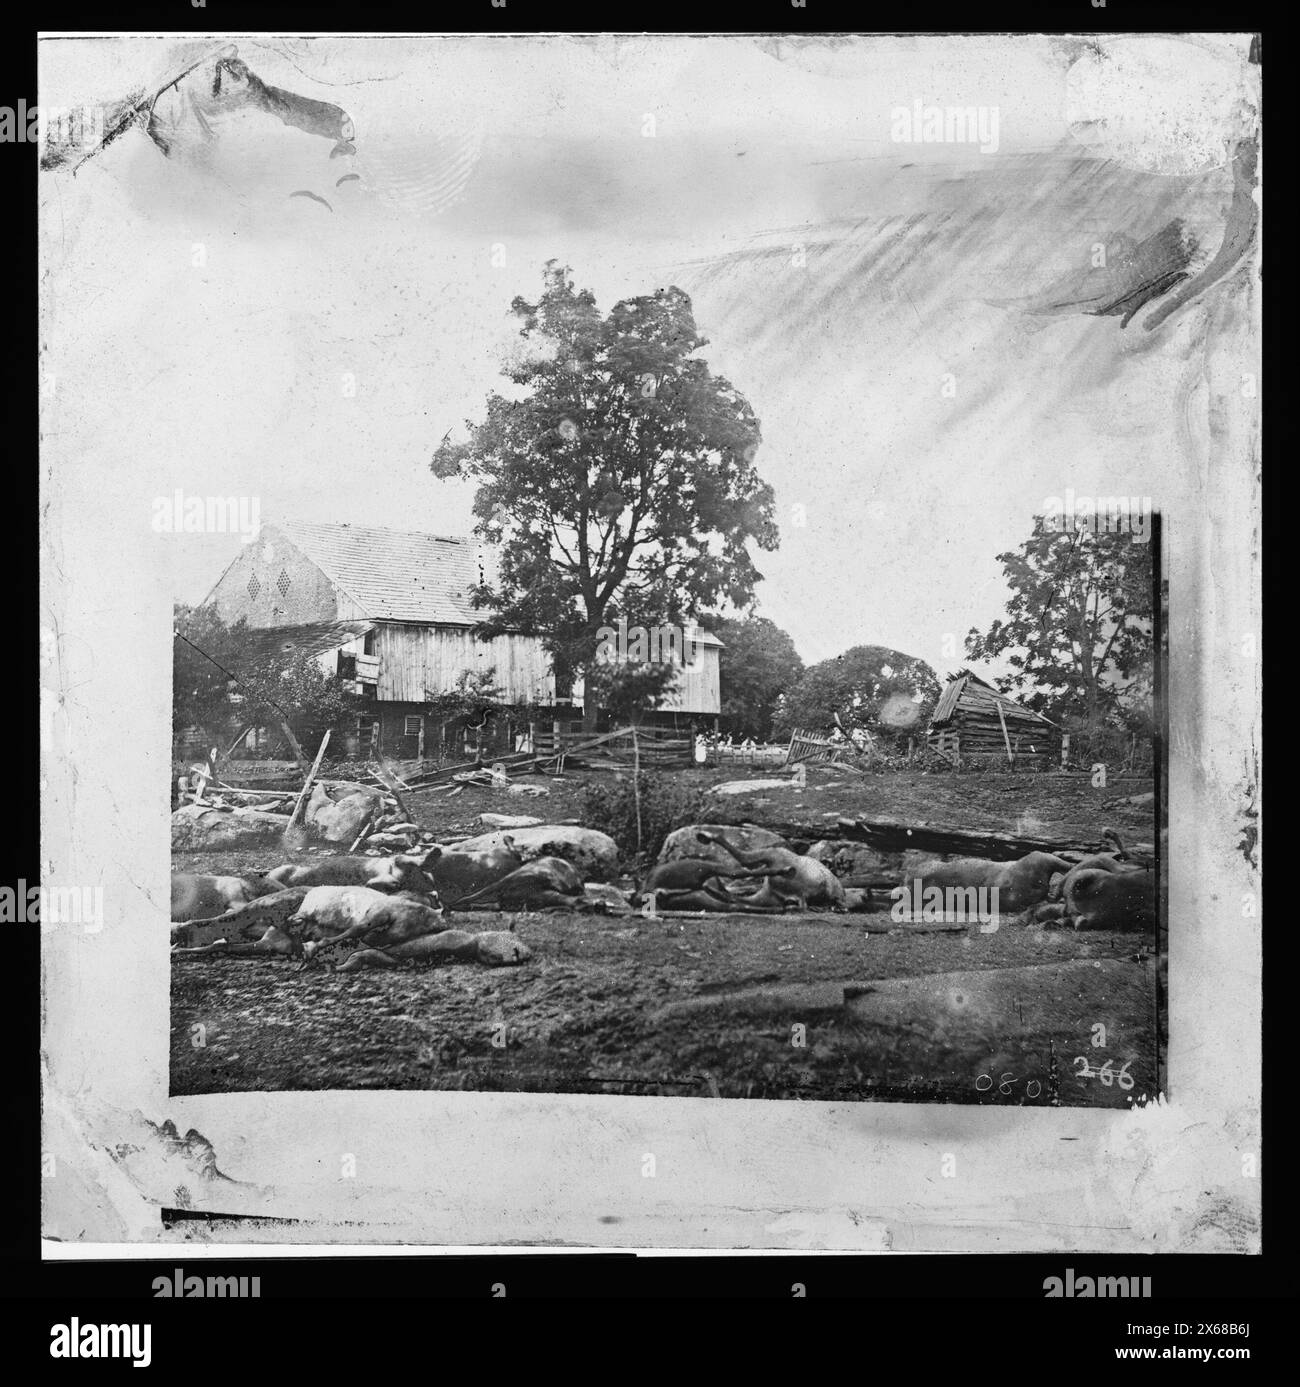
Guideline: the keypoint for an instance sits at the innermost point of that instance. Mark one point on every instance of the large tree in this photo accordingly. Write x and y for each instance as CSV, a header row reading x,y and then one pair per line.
x,y
617,477
758,663
1079,627
883,691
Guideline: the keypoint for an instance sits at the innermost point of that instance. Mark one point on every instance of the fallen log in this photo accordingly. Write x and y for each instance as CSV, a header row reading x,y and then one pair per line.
x,y
894,835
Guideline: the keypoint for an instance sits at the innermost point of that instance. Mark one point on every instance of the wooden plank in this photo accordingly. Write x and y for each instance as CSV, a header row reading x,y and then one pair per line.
x,y
238,739
1005,737
298,754
391,783
365,828
306,784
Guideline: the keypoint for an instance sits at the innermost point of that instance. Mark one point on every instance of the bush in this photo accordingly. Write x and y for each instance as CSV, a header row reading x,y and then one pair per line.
x,y
666,804
1116,747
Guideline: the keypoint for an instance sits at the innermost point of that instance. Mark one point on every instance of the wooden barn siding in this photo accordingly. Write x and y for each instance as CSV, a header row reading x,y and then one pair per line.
x,y
698,688
311,595
414,658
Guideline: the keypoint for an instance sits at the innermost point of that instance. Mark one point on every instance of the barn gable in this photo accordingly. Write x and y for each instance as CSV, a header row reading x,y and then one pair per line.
x,y
273,582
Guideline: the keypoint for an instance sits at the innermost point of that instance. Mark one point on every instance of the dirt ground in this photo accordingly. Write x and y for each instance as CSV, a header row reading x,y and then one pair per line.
x,y
712,1006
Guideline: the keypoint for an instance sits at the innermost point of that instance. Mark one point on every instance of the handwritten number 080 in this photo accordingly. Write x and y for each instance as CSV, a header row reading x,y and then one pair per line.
x,y
985,1082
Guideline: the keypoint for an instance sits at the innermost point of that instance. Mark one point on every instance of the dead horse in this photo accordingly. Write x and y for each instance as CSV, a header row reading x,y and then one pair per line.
x,y
696,883
546,883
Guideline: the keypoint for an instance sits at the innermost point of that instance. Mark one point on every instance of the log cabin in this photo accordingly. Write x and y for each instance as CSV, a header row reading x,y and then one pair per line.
x,y
973,719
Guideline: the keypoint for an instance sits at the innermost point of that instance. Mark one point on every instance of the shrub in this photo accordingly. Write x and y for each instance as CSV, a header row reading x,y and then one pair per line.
x,y
666,804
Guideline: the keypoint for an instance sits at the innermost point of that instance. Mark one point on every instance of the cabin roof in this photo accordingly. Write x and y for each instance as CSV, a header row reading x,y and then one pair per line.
x,y
396,575
967,692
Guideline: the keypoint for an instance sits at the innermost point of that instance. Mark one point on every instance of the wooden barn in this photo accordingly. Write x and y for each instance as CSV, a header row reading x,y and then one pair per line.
x,y
391,612
695,697
972,719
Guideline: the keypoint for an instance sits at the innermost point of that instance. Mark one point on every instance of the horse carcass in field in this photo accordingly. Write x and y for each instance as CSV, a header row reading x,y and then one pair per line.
x,y
1104,891
548,883
1019,884
259,927
460,870
493,949
685,842
593,853
197,896
401,872
698,883
1098,899
792,878
359,913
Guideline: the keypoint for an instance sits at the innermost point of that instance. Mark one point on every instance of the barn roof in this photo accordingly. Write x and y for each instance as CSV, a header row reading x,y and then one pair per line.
x,y
404,575
396,575
968,692
311,638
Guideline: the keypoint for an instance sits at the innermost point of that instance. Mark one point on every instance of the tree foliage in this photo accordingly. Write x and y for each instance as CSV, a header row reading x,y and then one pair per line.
x,y
204,648
616,476
474,698
1079,626
216,685
629,689
883,691
758,663
296,689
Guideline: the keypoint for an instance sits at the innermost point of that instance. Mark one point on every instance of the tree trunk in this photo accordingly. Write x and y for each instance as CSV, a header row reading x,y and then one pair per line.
x,y
590,712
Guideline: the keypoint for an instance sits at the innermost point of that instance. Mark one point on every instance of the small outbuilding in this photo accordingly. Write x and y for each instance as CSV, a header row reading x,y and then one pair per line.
x,y
972,718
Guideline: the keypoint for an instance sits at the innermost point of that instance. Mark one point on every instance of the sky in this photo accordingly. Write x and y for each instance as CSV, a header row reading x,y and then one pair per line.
x,y
890,308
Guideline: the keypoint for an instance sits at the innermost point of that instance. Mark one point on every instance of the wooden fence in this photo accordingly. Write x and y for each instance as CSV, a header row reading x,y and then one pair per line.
x,y
813,749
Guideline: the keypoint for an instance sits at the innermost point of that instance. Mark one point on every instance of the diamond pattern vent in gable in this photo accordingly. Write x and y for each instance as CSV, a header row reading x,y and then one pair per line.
x,y
254,586
282,582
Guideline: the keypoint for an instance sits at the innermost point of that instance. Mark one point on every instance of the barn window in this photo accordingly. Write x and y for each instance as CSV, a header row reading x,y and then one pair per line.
x,y
414,724
369,647
254,586
282,582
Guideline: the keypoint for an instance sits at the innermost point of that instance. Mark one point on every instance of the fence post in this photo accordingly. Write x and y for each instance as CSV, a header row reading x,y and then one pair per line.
x,y
1065,750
